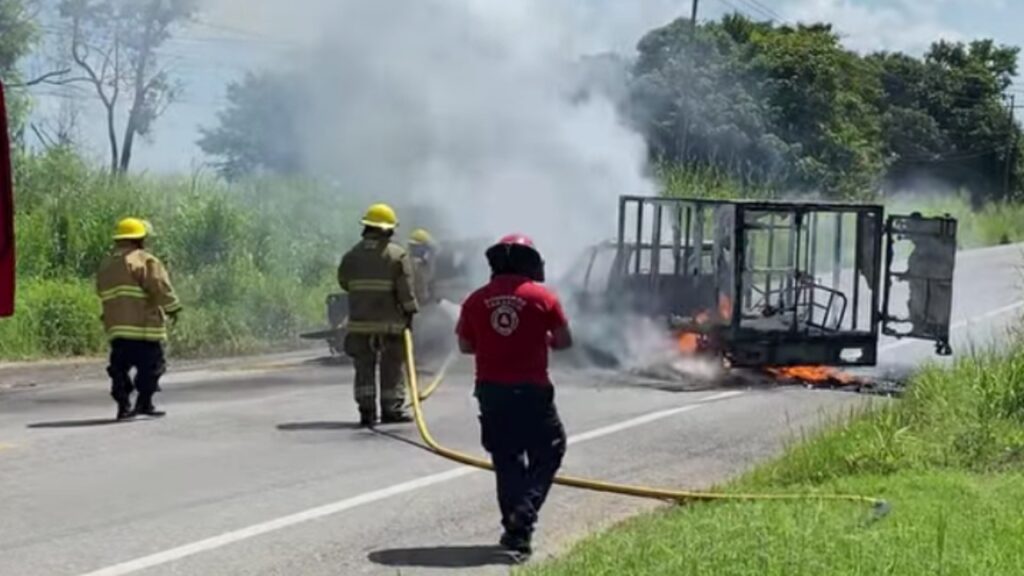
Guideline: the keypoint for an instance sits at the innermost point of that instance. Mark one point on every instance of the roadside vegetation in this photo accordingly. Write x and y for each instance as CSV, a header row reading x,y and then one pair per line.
x,y
948,457
992,223
252,260
731,108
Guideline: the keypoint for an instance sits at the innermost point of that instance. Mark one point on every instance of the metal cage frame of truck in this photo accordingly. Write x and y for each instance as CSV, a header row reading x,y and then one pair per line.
x,y
778,283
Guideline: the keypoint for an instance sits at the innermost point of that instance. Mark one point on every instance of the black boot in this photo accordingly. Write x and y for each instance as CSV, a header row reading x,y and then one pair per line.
x,y
396,418
124,411
367,419
144,407
518,543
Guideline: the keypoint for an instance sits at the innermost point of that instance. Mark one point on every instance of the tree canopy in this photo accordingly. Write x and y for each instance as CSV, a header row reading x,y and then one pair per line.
x,y
258,131
114,43
18,33
790,107
784,107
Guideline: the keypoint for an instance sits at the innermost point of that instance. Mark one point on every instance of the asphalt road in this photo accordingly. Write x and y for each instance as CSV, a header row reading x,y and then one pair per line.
x,y
259,469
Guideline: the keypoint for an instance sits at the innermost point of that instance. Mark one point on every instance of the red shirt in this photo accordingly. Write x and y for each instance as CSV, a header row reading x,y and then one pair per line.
x,y
509,322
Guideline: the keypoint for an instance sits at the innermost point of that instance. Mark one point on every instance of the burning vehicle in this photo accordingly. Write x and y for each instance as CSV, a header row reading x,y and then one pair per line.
x,y
788,286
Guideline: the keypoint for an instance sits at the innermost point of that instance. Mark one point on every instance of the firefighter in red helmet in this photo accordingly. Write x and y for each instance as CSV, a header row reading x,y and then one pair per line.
x,y
508,325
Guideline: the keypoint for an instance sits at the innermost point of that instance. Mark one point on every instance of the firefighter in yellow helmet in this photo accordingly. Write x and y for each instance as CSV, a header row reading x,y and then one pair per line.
x,y
137,298
377,274
423,249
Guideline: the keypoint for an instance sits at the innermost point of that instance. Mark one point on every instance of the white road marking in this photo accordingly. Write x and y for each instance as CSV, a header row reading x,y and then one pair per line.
x,y
958,325
254,530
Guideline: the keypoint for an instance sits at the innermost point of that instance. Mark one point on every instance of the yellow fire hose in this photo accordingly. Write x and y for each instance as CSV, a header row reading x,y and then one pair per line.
x,y
881,507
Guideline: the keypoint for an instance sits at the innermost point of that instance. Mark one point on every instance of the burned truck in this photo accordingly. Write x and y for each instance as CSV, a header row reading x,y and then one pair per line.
x,y
766,283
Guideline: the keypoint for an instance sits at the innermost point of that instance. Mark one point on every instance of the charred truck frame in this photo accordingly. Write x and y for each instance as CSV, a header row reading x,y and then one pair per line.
x,y
777,283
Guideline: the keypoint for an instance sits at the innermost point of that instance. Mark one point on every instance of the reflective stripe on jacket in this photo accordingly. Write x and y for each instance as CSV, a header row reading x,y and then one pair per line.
x,y
377,274
136,293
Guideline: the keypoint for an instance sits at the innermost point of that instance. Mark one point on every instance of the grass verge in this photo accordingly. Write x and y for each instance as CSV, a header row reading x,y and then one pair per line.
x,y
949,457
252,260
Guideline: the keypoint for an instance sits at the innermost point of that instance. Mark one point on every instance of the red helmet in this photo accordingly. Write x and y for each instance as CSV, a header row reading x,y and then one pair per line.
x,y
516,254
518,239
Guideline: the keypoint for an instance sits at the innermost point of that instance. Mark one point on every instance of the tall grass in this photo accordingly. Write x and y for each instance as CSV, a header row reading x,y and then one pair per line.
x,y
949,457
252,261
992,224
989,225
968,417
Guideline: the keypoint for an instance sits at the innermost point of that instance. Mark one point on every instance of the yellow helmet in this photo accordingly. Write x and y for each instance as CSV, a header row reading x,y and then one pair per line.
x,y
421,236
132,229
380,216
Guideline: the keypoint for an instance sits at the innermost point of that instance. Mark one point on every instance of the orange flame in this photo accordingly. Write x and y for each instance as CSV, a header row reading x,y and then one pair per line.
x,y
812,374
725,307
689,342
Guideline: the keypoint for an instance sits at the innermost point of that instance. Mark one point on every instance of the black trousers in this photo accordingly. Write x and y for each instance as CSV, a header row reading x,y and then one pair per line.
x,y
147,358
521,430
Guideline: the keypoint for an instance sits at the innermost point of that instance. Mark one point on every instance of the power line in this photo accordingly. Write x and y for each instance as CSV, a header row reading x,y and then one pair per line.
x,y
262,41
80,93
765,9
193,60
761,9
747,6
735,8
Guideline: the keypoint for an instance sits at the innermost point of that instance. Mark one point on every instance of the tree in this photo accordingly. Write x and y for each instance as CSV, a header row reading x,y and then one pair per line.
x,y
825,98
945,117
788,106
778,105
114,43
258,130
17,35
693,98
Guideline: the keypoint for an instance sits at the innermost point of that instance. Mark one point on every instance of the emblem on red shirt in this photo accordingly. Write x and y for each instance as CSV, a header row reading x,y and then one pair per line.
x,y
504,320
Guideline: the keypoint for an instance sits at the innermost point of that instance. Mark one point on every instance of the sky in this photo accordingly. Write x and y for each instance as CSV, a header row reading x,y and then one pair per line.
x,y
233,36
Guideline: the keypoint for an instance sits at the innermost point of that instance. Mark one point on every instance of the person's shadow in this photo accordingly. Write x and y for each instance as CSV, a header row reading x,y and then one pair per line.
x,y
81,423
306,426
443,557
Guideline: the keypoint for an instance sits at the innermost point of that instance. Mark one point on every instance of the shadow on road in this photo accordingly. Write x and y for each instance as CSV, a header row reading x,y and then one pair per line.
x,y
301,426
443,557
77,423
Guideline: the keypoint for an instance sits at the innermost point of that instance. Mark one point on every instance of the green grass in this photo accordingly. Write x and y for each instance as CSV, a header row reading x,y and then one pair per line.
x,y
949,457
706,182
992,224
253,261
942,523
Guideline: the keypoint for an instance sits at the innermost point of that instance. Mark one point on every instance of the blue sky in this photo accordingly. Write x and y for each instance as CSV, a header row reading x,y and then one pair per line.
x,y
236,35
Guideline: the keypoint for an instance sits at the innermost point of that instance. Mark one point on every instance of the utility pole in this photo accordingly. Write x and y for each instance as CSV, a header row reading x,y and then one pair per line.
x,y
1011,146
693,15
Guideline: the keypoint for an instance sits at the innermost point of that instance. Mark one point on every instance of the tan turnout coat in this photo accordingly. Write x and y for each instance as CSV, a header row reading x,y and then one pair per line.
x,y
137,295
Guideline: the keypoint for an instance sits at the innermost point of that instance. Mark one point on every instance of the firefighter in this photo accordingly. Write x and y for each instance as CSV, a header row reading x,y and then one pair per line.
x,y
423,249
137,298
508,325
377,274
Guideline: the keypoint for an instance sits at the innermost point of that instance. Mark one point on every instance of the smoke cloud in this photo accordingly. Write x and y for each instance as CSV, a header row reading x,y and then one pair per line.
x,y
468,107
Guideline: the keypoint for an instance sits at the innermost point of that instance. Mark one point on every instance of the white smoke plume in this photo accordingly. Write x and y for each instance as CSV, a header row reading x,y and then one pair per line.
x,y
474,110
467,106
